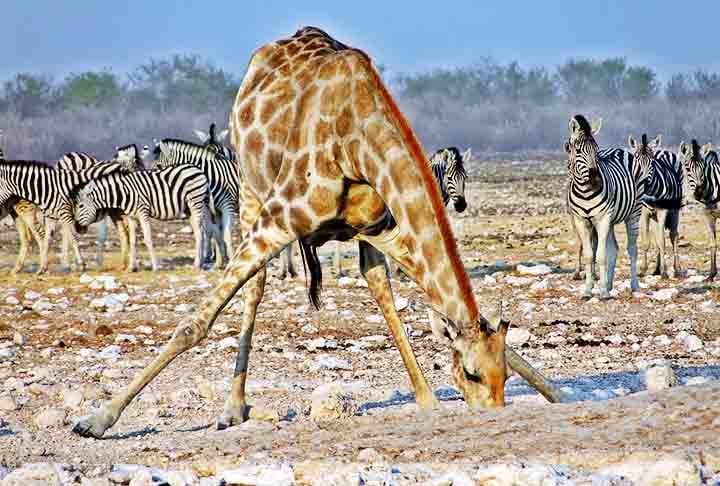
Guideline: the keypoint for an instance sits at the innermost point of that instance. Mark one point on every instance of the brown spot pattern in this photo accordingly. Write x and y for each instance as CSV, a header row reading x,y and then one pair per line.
x,y
323,201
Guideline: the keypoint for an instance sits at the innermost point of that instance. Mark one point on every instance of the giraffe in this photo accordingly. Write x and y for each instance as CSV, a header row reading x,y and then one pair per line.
x,y
326,154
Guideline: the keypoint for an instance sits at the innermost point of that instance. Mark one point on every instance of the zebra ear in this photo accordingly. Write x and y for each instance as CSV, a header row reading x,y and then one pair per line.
x,y
201,135
573,126
467,155
706,148
595,126
632,143
657,143
684,149
221,136
566,147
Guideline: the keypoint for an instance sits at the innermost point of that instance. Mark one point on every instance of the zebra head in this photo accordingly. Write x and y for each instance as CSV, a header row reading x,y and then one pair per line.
x,y
129,157
448,165
582,149
160,152
644,153
86,205
695,167
211,137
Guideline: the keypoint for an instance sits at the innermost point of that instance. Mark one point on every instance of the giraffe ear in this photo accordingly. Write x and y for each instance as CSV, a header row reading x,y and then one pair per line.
x,y
632,143
595,126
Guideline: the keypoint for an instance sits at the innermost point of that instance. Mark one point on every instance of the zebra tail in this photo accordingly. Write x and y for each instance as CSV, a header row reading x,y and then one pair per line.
x,y
311,265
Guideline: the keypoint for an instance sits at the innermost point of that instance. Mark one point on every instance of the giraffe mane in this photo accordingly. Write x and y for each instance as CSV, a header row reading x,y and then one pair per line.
x,y
436,202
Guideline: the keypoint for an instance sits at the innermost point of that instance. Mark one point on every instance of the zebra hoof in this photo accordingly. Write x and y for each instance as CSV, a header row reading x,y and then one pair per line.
x,y
577,276
710,278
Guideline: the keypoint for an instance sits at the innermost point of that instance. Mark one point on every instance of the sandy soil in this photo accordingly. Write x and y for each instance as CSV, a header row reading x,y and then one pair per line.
x,y
595,350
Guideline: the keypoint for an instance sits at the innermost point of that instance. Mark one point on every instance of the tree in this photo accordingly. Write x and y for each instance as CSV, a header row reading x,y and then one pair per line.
x,y
90,89
29,94
639,83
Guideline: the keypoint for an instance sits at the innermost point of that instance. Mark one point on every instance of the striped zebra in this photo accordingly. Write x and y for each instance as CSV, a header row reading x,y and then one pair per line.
x,y
604,191
212,139
26,217
164,194
51,190
222,176
702,170
661,201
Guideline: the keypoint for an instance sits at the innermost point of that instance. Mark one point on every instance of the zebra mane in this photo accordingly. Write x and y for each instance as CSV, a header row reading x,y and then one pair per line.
x,y
36,163
584,125
695,148
181,142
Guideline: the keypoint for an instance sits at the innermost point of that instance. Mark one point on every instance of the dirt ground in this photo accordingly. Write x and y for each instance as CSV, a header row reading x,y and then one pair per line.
x,y
60,352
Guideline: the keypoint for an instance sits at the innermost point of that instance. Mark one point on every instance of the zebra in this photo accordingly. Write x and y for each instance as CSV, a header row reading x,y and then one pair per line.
x,y
212,139
661,201
604,191
702,170
51,190
164,194
26,217
222,175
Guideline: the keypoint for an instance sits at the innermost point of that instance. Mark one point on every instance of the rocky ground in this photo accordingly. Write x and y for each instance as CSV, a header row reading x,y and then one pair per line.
x,y
68,341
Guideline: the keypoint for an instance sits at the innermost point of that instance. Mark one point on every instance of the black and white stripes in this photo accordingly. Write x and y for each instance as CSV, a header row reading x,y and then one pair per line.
x,y
604,190
448,166
165,194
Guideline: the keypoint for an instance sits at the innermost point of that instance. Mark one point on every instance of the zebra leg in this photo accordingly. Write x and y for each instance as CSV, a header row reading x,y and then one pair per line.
x,y
594,253
338,260
612,251
198,226
585,228
662,215
101,231
710,224
147,237
289,264
645,236
72,238
132,244
577,275
631,227
65,249
373,269
604,227
252,255
673,224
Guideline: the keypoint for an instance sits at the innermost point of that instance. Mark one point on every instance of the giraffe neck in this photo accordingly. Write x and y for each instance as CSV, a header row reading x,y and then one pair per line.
x,y
417,205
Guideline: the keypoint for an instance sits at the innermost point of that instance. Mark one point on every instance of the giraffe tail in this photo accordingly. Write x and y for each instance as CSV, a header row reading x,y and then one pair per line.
x,y
312,267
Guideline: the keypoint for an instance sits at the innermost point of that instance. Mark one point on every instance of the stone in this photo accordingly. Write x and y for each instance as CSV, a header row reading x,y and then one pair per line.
x,y
517,281
309,329
32,295
8,403
319,343
331,402
659,378
662,340
664,294
110,303
73,399
19,339
692,343
346,282
540,269
184,308
374,342
330,363
6,354
370,456
12,300
517,336
144,329
518,473
111,352
37,474
540,285
49,418
260,475
665,471
42,305
401,303
228,343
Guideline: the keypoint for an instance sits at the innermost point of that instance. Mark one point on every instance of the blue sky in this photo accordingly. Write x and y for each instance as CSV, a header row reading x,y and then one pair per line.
x,y
63,36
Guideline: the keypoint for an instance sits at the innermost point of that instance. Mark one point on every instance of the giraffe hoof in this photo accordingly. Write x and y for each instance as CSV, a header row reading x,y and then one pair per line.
x,y
427,404
90,426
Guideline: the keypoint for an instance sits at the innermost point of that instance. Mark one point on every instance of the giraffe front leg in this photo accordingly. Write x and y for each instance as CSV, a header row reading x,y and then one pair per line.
x,y
25,241
252,255
372,266
236,409
44,244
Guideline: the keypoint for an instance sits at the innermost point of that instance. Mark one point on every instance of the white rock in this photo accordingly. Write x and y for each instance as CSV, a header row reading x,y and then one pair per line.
x,y
110,352
6,354
184,308
110,303
517,336
12,300
401,303
262,475
32,295
664,294
375,342
708,306
692,343
540,285
186,230
73,399
42,305
144,329
513,280
37,474
489,280
697,380
309,329
519,474
330,363
666,471
659,378
8,403
615,339
319,343
331,402
370,455
540,269
143,477
346,282
228,343
695,279
86,279
662,340
125,338
56,291
375,318
19,339
51,417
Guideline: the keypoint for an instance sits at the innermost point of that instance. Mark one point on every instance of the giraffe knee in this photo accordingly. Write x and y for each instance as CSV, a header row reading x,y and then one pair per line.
x,y
188,335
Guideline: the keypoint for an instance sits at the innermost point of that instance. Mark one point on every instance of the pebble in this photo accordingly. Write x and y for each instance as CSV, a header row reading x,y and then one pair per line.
x,y
370,456
228,343
331,402
19,339
330,363
517,336
12,300
8,403
540,269
659,378
42,305
664,294
49,418
6,354
260,475
692,343
346,282
73,399
401,303
184,308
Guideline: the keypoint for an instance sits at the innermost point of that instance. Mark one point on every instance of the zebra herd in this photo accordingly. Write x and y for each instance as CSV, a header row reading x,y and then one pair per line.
x,y
199,182
636,187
